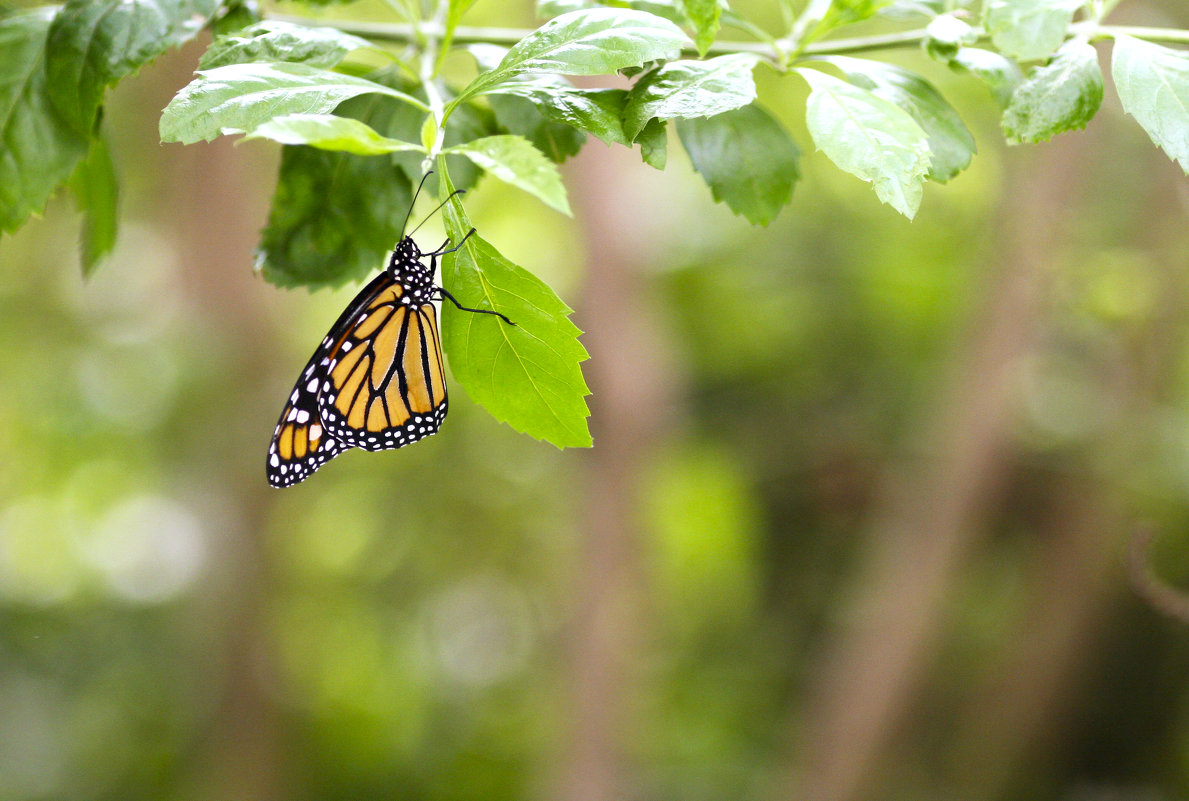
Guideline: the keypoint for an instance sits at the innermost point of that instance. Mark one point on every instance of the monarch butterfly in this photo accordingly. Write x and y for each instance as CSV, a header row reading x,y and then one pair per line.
x,y
377,380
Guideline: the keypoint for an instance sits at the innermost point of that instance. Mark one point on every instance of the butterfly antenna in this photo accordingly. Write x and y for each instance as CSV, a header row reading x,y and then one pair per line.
x,y
439,206
413,203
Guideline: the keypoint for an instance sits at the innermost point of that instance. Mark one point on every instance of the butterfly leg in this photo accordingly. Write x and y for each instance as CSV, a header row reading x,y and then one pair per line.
x,y
442,292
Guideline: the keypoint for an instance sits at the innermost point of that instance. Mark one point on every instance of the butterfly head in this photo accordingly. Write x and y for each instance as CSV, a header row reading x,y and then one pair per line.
x,y
407,269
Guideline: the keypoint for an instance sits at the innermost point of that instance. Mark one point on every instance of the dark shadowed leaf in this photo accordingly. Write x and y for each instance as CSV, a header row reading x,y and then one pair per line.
x,y
746,157
597,111
654,143
97,196
519,116
40,147
334,214
94,43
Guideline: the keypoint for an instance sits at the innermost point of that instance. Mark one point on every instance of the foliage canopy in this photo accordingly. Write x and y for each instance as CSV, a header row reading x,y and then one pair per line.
x,y
360,120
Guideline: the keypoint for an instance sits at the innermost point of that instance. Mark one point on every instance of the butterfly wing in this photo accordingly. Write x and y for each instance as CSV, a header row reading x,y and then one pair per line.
x,y
300,444
385,382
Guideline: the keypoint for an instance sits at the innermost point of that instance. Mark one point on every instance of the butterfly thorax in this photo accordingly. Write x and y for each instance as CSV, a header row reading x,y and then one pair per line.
x,y
407,269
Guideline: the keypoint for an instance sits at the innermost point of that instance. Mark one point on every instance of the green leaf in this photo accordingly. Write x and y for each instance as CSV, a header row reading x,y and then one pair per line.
x,y
334,214
553,8
1028,29
328,132
514,160
97,196
706,17
241,97
273,40
690,89
1061,96
40,148
518,116
526,375
1153,83
746,157
595,41
94,43
236,15
945,34
598,111
654,143
951,145
455,11
822,16
1001,75
870,138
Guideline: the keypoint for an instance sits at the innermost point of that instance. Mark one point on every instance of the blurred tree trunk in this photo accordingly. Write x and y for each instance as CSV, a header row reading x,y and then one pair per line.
x,y
218,208
629,403
925,516
1017,713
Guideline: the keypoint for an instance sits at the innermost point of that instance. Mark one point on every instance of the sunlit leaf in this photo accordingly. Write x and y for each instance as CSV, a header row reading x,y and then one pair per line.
x,y
690,89
1061,96
513,159
951,145
1001,75
595,41
1028,29
274,40
527,375
945,34
1153,84
706,16
870,138
328,132
241,97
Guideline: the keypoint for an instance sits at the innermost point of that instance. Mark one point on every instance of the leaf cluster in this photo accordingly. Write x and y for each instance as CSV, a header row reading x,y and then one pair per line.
x,y
360,121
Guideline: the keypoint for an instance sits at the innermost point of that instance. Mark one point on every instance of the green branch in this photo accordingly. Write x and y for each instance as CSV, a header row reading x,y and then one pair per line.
x,y
404,33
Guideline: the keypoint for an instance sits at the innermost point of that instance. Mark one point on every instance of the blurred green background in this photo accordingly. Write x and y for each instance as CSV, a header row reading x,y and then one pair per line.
x,y
855,525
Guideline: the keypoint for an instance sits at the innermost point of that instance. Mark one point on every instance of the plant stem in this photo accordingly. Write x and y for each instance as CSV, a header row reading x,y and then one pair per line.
x,y
463,34
431,31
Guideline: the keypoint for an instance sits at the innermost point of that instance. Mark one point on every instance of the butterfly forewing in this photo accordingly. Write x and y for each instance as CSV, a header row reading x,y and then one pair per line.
x,y
385,385
301,444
